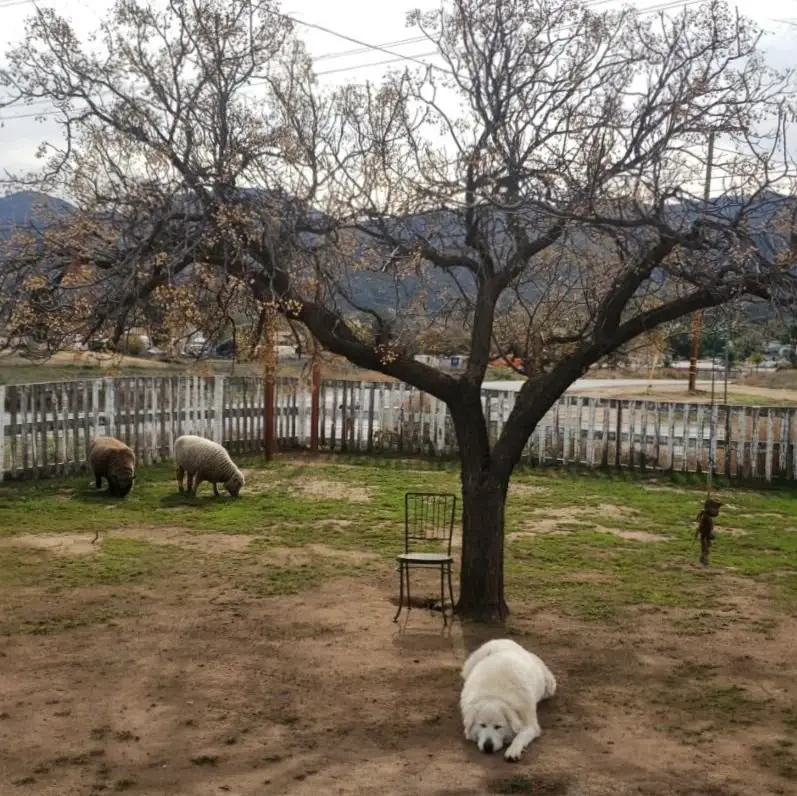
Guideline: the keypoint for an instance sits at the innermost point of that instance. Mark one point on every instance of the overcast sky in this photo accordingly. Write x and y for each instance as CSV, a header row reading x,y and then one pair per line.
x,y
366,20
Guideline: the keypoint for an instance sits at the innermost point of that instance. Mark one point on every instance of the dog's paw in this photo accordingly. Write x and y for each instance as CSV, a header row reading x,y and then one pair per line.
x,y
513,753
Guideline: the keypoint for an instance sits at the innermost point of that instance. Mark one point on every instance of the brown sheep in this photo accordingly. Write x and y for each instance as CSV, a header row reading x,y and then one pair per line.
x,y
111,459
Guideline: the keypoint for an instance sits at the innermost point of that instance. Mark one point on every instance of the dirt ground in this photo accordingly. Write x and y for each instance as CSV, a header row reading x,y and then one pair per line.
x,y
193,689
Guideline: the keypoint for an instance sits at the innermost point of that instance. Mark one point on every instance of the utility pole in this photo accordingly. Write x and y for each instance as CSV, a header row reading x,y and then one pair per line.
x,y
697,323
728,355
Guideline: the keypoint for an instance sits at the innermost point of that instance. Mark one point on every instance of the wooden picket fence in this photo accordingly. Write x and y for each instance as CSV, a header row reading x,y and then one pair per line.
x,y
45,429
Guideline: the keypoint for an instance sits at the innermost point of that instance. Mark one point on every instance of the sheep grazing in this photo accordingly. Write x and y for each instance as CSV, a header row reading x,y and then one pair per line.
x,y
111,459
204,460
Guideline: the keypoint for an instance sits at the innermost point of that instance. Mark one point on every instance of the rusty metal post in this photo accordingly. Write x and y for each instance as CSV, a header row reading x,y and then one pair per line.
x,y
697,326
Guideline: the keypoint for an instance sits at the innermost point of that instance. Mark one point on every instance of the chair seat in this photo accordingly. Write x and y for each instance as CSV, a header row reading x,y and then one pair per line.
x,y
425,559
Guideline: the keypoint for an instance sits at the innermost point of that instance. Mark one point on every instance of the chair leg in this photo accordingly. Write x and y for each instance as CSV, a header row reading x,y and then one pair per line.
x,y
401,592
443,595
450,589
409,601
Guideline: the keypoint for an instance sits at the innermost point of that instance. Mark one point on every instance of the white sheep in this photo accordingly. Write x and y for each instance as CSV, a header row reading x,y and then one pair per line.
x,y
205,460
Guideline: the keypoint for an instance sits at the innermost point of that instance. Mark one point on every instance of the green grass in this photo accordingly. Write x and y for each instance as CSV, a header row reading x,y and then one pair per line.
x,y
581,571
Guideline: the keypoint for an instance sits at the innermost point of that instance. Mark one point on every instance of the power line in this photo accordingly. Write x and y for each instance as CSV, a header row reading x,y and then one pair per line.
x,y
375,63
330,56
363,47
352,39
361,50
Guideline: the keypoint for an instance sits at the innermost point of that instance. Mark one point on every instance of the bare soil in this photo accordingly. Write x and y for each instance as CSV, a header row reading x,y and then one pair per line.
x,y
307,487
548,526
83,544
610,510
323,489
189,689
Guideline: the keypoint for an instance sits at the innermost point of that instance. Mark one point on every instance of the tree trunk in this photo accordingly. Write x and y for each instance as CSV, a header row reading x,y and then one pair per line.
x,y
481,582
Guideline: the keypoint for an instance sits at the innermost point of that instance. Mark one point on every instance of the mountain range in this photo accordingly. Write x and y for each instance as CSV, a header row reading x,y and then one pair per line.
x,y
382,292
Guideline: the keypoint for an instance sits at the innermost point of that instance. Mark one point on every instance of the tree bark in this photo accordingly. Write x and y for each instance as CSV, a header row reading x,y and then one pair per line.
x,y
481,579
481,582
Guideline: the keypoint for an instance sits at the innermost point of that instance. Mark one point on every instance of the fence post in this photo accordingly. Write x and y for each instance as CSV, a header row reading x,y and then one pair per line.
x,y
618,434
3,431
315,403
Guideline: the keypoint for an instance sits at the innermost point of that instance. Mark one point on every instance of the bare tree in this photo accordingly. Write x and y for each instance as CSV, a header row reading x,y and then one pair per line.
x,y
533,189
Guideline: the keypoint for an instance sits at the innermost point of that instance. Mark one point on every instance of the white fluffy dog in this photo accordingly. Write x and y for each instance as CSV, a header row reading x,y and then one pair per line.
x,y
503,684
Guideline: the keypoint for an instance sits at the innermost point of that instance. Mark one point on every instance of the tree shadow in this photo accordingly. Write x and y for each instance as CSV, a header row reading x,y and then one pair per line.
x,y
184,500
91,495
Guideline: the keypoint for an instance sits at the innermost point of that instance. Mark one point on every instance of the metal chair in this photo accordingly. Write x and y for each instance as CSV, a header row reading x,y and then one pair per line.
x,y
428,518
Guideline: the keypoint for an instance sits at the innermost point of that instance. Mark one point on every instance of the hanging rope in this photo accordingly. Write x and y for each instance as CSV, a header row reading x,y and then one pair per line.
x,y
712,431
711,506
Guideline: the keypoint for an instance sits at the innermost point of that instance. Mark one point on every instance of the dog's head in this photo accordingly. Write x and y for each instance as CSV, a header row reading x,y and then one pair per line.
x,y
491,724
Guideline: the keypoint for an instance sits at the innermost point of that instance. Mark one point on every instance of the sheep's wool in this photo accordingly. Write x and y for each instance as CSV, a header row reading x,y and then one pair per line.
x,y
204,458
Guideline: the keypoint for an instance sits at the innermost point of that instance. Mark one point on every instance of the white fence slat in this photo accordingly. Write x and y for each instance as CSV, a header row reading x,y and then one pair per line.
x,y
713,440
755,442
592,420
700,464
605,429
783,445
631,415
741,444
671,436
769,447
567,433
23,423
14,422
218,409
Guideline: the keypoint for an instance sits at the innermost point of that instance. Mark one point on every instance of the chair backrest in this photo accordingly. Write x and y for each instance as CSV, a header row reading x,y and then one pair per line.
x,y
429,516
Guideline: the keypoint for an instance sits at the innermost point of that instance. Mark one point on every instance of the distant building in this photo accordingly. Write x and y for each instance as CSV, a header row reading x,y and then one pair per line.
x,y
455,362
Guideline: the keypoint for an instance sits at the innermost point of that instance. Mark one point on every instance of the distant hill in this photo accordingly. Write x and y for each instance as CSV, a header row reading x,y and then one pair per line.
x,y
25,207
380,291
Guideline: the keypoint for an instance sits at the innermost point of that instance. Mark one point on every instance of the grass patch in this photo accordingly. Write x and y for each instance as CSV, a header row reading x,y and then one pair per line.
x,y
585,569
